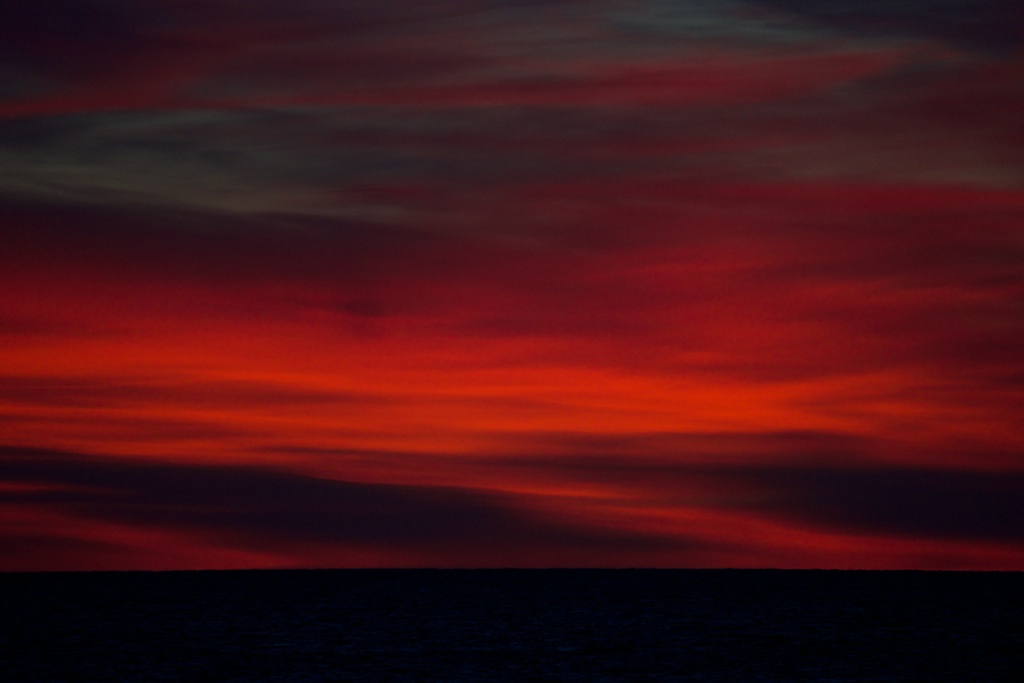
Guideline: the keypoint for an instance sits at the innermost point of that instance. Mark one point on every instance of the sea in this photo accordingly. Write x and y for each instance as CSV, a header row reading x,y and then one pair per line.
x,y
512,625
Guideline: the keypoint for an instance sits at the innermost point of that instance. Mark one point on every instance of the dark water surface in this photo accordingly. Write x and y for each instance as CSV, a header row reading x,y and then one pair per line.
x,y
513,625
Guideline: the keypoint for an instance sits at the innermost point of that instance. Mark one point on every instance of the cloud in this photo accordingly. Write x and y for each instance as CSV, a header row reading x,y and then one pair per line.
x,y
71,38
34,551
223,56
27,327
665,450
362,229
264,509
135,242
102,391
983,25
909,502
752,280
826,482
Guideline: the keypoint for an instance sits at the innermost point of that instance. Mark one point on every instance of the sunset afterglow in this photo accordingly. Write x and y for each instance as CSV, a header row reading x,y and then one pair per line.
x,y
574,283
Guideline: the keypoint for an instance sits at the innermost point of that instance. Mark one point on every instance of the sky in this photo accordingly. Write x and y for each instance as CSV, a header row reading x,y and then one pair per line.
x,y
492,283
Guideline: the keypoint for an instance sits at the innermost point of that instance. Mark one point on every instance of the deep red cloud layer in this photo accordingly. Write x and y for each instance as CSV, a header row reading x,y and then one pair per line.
x,y
359,288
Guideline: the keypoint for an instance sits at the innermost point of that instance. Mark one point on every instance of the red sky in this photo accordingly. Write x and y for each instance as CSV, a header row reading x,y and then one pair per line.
x,y
571,283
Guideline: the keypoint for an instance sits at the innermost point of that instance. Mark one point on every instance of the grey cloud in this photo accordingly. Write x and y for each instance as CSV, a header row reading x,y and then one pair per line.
x,y
215,248
984,25
914,502
267,509
831,486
